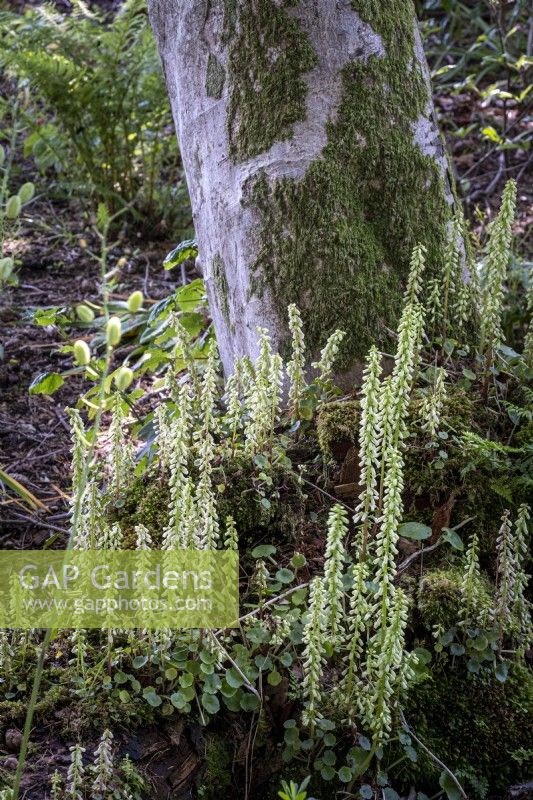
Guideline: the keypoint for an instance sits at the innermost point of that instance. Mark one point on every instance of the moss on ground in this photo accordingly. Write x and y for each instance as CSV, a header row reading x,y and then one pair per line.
x,y
145,502
440,601
217,776
476,725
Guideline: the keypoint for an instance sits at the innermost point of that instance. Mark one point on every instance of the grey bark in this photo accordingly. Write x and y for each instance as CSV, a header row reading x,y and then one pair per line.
x,y
192,43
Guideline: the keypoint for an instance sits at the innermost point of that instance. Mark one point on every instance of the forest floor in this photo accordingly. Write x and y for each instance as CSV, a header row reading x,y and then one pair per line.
x,y
57,270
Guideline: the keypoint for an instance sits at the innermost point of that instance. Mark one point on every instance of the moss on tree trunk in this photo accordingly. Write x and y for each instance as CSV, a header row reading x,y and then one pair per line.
x,y
313,159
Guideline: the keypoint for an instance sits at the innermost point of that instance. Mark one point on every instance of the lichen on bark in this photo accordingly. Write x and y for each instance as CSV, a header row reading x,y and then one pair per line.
x,y
221,284
215,77
337,242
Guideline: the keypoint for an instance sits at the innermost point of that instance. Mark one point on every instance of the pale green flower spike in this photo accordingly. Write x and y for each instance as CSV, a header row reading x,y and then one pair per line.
x,y
234,409
389,670
355,637
416,269
180,437
260,580
75,774
506,575
495,272
231,540
103,765
163,432
369,442
260,401
56,787
91,519
121,452
527,354
78,641
471,611
325,364
333,569
431,407
205,500
296,366
276,384
452,276
521,605
80,453
434,304
313,656
111,537
143,540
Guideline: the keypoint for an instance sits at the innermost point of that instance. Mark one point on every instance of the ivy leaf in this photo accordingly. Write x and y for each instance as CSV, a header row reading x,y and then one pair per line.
x,y
414,530
46,383
186,249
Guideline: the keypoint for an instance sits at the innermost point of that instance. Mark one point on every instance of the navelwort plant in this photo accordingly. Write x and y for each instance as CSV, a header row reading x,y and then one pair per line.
x,y
337,637
100,780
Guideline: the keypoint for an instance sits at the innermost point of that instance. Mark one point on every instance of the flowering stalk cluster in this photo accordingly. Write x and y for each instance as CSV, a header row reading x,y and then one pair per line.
x,y
204,498
511,610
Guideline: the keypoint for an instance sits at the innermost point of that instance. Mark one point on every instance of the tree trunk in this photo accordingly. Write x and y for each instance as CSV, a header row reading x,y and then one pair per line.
x,y
313,160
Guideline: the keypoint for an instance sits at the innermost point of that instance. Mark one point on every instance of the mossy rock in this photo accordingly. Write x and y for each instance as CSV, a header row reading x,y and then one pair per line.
x,y
240,498
337,428
145,502
440,601
477,726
